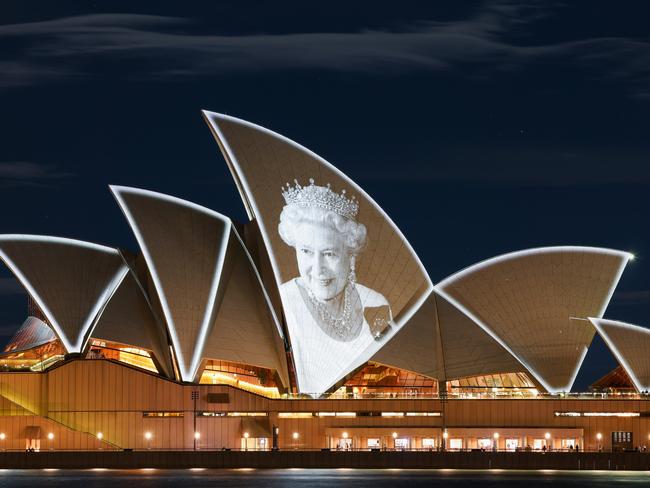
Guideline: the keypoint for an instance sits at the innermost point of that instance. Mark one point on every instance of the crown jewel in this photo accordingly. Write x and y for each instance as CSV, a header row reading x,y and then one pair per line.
x,y
321,196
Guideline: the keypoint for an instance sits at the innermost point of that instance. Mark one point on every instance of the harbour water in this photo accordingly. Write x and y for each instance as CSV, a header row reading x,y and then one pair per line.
x,y
319,478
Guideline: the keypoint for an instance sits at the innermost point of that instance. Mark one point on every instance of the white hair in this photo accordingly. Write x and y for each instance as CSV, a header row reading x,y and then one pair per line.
x,y
292,215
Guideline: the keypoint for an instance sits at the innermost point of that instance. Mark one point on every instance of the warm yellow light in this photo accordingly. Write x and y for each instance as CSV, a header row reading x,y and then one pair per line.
x,y
599,436
445,435
148,435
197,435
246,435
50,436
547,436
496,435
2,436
296,435
394,435
100,436
345,435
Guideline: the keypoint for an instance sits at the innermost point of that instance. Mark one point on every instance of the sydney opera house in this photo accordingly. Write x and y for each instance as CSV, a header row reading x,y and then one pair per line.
x,y
313,325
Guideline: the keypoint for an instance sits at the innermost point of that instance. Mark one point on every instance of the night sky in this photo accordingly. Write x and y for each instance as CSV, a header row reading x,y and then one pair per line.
x,y
480,127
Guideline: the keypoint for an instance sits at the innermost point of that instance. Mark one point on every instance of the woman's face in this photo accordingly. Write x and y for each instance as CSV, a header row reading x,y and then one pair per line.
x,y
323,260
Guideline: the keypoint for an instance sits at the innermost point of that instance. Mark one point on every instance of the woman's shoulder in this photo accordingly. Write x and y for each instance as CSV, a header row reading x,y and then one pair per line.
x,y
370,297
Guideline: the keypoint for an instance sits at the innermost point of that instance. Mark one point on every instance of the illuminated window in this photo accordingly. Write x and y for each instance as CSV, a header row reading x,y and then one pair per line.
x,y
512,444
611,414
485,443
163,414
211,414
376,380
423,414
511,384
428,443
373,443
598,414
133,356
335,414
247,414
392,414
243,376
455,444
402,443
295,415
568,443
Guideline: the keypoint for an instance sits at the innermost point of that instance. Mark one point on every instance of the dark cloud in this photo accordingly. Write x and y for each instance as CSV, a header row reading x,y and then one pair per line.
x,y
6,332
25,173
639,297
10,286
61,49
526,165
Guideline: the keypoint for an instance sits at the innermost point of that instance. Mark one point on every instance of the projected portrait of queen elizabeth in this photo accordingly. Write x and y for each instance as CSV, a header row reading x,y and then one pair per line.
x,y
331,318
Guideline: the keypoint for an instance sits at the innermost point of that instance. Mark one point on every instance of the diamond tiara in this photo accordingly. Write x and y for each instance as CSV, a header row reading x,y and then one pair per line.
x,y
322,197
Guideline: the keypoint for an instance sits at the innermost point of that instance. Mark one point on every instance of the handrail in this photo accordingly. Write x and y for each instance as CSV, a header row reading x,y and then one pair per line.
x,y
114,446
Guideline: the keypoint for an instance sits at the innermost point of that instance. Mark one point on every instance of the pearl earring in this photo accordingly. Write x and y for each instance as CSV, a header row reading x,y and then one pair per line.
x,y
352,277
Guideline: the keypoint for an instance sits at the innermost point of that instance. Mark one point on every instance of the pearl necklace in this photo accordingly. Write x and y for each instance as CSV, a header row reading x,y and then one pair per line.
x,y
340,326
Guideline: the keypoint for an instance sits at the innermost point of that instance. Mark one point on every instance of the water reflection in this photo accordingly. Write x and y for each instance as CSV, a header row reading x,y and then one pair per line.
x,y
317,478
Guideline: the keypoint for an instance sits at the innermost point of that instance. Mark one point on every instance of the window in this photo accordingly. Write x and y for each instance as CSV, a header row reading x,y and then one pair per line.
x,y
611,414
210,414
567,414
402,443
247,414
598,414
428,443
485,443
295,415
512,444
163,414
455,444
336,414
373,443
568,443
344,444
